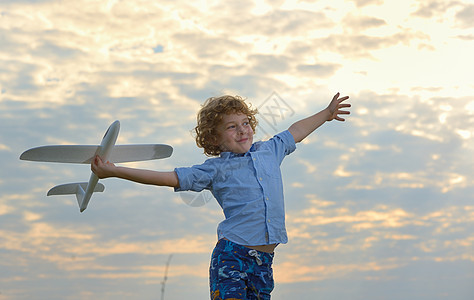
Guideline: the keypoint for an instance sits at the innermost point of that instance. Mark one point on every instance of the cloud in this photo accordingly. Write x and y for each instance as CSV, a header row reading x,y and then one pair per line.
x,y
464,16
277,22
465,37
368,230
354,45
360,23
362,3
204,47
428,9
369,201
442,11
389,219
269,64
319,70
291,272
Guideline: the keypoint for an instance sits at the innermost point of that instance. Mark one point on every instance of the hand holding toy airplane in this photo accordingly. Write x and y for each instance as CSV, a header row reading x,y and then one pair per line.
x,y
84,154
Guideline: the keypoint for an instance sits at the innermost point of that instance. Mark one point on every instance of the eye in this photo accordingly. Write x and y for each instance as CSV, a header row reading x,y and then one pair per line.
x,y
231,127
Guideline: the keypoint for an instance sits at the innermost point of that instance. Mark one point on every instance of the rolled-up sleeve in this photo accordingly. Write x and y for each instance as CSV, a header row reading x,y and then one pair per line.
x,y
283,144
195,178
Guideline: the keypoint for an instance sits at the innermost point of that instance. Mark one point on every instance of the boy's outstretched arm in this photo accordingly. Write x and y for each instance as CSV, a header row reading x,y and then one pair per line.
x,y
304,127
107,169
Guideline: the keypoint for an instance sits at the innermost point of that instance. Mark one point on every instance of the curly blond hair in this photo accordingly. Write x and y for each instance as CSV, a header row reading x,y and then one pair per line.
x,y
210,116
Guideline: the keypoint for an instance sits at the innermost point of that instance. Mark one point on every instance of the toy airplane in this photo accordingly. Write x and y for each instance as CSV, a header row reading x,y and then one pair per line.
x,y
84,154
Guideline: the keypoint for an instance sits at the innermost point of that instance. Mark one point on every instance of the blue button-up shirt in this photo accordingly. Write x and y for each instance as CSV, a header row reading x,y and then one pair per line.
x,y
249,189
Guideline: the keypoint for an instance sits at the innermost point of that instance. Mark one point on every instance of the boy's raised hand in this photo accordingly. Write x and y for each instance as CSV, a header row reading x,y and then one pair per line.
x,y
335,107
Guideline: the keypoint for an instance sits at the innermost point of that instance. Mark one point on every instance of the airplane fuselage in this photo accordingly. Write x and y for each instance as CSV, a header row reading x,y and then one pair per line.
x,y
103,152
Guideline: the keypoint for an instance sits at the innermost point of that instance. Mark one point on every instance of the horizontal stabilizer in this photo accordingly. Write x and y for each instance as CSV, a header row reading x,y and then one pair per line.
x,y
73,188
83,154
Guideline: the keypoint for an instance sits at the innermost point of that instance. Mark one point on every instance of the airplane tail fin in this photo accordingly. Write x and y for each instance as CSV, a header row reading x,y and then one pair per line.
x,y
77,189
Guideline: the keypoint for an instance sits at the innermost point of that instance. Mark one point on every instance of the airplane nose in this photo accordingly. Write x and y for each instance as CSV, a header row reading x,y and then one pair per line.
x,y
115,127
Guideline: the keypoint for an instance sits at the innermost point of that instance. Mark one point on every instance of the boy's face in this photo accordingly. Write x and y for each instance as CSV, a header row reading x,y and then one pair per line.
x,y
234,133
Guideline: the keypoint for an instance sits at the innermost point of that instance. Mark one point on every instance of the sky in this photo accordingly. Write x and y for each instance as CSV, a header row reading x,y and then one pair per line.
x,y
378,207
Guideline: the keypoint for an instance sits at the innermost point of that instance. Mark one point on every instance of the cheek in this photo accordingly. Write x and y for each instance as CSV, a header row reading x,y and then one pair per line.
x,y
228,136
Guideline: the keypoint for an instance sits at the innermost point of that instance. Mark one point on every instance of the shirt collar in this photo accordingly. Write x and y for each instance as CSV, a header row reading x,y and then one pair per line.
x,y
232,154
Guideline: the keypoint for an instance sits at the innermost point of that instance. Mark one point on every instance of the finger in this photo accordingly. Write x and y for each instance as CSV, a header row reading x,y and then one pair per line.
x,y
98,160
343,99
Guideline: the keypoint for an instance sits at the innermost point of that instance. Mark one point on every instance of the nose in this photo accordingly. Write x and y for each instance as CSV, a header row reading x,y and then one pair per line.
x,y
240,129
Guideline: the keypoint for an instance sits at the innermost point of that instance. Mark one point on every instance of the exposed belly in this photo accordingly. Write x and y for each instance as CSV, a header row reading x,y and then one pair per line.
x,y
263,248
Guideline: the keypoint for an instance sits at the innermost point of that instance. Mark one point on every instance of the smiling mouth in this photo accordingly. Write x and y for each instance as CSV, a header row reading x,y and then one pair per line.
x,y
242,141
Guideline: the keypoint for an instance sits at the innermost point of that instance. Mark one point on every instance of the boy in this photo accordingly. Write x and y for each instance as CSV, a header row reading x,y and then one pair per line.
x,y
245,179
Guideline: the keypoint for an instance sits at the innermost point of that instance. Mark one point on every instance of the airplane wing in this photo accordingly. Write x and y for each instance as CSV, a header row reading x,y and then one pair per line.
x,y
83,154
127,153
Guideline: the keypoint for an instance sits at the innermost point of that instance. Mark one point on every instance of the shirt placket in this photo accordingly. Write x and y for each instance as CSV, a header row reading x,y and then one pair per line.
x,y
261,179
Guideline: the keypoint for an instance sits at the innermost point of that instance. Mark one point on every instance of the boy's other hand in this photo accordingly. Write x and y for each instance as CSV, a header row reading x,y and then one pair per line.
x,y
335,107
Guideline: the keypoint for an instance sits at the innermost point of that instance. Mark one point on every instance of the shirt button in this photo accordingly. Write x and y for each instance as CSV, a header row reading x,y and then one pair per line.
x,y
260,178
268,220
266,198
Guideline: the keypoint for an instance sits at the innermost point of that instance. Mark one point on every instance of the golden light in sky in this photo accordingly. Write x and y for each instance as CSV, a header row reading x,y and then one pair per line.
x,y
380,205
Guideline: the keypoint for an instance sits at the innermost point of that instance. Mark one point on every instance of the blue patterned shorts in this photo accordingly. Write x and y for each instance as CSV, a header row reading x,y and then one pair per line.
x,y
237,272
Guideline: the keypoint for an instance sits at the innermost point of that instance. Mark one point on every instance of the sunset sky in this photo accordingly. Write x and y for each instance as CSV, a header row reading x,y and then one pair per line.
x,y
378,207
